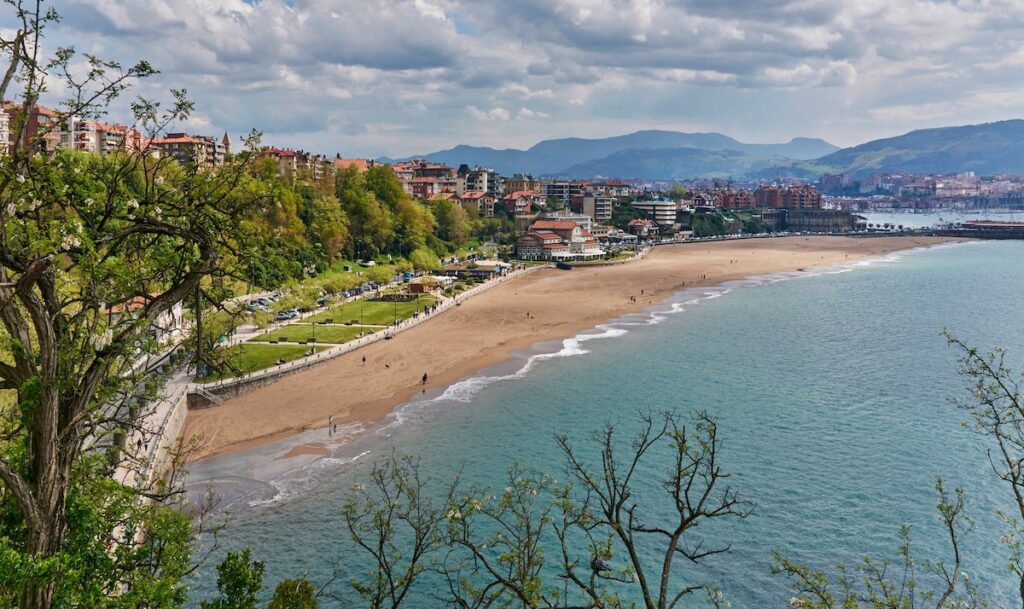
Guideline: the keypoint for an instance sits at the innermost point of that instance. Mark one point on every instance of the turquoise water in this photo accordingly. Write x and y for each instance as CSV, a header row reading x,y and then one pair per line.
x,y
831,390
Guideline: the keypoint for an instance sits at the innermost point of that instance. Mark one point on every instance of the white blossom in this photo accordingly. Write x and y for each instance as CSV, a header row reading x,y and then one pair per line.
x,y
11,208
454,514
159,180
101,341
133,204
89,202
70,242
21,179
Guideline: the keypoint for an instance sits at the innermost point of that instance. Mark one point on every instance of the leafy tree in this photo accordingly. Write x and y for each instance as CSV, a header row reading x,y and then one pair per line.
x,y
78,234
294,594
423,259
239,579
384,185
452,221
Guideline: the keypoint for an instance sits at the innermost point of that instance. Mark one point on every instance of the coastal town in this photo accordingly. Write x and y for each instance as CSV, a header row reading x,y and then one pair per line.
x,y
323,304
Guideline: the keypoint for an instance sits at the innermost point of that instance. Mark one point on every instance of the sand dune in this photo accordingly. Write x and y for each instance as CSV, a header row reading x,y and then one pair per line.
x,y
486,328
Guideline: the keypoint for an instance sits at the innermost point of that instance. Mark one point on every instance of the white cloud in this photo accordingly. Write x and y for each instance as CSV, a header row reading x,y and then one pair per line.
x,y
527,114
846,70
494,114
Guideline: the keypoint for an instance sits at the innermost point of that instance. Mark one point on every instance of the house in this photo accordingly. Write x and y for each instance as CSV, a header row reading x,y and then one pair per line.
x,y
704,199
167,326
479,201
522,202
557,240
642,227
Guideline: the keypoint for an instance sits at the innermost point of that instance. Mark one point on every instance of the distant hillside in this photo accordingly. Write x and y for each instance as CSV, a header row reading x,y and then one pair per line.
x,y
675,163
553,157
985,149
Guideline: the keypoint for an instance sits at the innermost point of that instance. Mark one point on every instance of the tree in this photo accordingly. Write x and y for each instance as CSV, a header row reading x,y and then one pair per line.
x,y
239,579
452,221
78,234
394,520
539,544
423,259
997,414
294,594
876,585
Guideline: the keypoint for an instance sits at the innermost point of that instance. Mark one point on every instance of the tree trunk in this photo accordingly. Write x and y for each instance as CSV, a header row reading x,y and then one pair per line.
x,y
50,468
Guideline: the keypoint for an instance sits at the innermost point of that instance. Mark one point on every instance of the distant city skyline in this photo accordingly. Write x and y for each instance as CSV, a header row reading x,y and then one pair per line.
x,y
403,77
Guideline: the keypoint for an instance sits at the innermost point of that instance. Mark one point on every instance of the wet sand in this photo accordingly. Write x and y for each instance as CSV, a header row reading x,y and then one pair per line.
x,y
544,305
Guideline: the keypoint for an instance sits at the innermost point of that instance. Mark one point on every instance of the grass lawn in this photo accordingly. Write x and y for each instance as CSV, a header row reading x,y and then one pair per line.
x,y
374,312
251,358
304,332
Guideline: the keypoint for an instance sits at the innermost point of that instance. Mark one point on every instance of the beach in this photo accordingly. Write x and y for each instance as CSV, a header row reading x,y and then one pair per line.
x,y
486,329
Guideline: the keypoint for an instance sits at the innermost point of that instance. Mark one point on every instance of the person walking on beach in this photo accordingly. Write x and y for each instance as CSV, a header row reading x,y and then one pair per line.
x,y
330,423
423,381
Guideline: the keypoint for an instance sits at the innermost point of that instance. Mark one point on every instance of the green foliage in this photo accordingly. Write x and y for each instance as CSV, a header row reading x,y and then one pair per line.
x,y
424,260
294,594
239,579
707,224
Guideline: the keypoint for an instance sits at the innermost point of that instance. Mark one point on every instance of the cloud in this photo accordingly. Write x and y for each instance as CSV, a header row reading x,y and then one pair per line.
x,y
494,114
527,114
403,76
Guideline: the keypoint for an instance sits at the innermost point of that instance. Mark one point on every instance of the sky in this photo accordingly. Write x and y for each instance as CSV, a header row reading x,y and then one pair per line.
x,y
402,77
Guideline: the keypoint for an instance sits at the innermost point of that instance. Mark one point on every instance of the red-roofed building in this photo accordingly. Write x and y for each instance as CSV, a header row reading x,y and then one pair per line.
x,y
643,227
168,324
479,201
360,164
522,202
291,163
201,150
557,240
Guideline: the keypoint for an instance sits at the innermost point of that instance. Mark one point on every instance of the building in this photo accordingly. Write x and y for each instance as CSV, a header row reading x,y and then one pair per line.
x,y
198,150
360,164
38,128
662,212
642,227
521,202
521,182
705,200
598,206
294,163
563,190
809,220
167,326
478,179
557,240
480,202
794,197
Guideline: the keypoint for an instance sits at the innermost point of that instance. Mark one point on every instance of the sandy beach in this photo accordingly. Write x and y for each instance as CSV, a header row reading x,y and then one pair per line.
x,y
544,305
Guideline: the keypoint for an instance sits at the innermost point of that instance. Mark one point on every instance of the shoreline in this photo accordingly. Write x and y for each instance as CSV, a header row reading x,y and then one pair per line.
x,y
490,328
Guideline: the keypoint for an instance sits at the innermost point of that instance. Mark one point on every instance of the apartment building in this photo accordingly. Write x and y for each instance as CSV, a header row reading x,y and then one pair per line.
x,y
38,127
598,206
187,149
293,163
662,212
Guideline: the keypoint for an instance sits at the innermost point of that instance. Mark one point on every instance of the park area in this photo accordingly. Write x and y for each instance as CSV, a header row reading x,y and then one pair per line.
x,y
247,358
303,332
374,312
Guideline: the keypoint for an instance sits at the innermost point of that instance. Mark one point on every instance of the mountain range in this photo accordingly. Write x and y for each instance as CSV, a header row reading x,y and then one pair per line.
x,y
986,149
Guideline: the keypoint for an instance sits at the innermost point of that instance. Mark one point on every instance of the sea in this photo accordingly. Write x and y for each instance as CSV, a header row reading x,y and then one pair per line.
x,y
833,390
